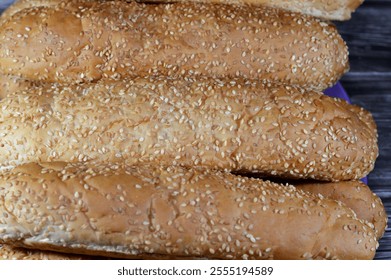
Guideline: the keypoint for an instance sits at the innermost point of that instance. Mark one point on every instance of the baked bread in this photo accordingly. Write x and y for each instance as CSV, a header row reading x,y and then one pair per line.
x,y
122,211
10,84
11,253
237,126
20,5
325,9
354,194
357,196
331,10
116,40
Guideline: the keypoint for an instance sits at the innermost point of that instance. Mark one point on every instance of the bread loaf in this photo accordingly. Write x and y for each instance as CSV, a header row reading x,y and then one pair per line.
x,y
333,10
117,40
357,196
123,211
254,127
354,194
326,9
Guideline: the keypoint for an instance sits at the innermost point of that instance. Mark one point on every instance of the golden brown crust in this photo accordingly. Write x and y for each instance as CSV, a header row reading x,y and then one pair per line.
x,y
19,5
235,126
357,196
113,209
325,9
331,10
117,40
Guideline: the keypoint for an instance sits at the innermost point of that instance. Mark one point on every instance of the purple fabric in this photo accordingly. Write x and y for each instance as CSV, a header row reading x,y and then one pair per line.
x,y
339,92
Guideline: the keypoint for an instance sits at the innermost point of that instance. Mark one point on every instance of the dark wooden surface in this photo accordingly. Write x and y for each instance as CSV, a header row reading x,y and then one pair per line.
x,y
368,35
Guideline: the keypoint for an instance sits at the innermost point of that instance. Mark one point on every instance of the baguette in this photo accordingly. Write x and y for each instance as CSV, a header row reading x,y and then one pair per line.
x,y
354,194
118,40
253,127
123,211
329,10
357,196
325,9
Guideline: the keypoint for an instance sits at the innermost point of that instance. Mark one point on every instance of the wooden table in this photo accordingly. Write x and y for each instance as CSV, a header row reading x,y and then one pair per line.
x,y
368,35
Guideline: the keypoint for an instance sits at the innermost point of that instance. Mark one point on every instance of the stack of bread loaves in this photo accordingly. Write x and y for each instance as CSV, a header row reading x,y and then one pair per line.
x,y
124,127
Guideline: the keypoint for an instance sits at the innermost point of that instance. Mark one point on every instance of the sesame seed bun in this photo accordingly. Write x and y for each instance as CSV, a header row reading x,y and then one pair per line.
x,y
325,9
123,211
117,40
236,126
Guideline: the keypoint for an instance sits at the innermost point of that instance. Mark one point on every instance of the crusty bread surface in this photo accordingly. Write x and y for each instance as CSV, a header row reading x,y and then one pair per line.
x,y
331,10
357,196
10,84
236,126
354,194
325,9
220,106
119,210
117,40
